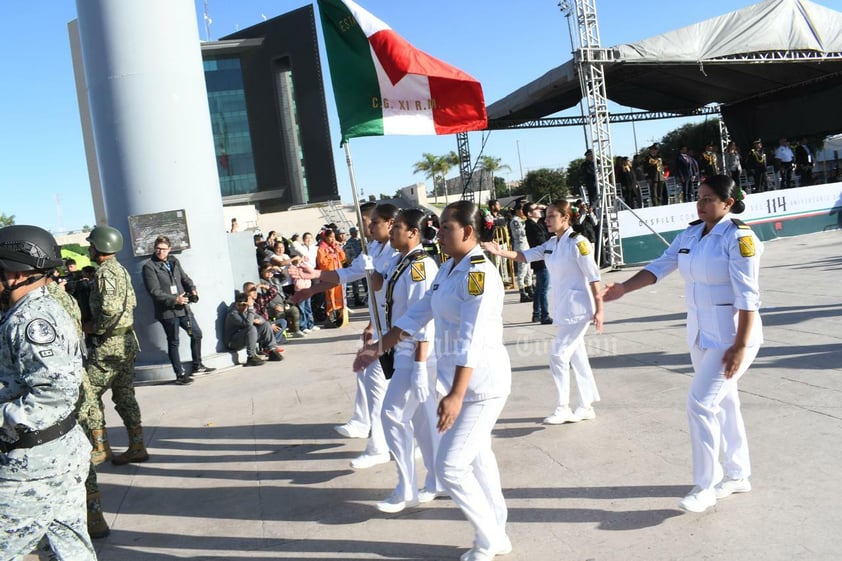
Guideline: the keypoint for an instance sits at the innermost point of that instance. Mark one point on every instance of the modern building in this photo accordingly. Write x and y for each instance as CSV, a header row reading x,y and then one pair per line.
x,y
270,125
269,117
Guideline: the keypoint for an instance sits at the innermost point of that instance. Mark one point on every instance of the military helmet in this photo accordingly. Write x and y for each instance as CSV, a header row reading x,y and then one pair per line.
x,y
106,239
28,248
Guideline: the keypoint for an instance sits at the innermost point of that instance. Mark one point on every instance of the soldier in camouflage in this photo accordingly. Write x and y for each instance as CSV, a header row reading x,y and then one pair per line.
x,y
44,454
114,348
97,526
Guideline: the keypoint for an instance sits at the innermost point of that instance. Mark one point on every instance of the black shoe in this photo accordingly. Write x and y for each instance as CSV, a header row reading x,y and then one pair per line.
x,y
547,321
275,356
202,369
524,297
536,319
183,379
255,361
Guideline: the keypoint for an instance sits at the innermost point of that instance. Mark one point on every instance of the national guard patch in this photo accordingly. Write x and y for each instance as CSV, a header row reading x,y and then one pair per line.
x,y
747,246
583,247
418,271
40,332
476,283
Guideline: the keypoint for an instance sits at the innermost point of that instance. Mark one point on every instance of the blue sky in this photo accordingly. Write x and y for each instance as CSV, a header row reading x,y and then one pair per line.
x,y
502,43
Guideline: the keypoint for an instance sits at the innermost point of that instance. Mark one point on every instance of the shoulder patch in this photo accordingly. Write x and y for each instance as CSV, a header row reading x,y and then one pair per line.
x,y
40,332
476,283
746,246
574,233
695,222
740,224
418,271
583,247
477,259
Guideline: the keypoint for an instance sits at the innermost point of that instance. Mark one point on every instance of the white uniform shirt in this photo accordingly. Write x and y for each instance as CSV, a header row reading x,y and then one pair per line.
x,y
466,302
784,154
382,255
411,286
721,272
569,259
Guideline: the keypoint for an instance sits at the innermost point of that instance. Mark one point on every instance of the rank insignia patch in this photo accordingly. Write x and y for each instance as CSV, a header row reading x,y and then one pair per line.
x,y
583,247
476,283
747,246
418,271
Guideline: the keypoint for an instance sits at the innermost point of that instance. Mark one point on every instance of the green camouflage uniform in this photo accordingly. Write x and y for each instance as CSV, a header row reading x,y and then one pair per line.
x,y
111,362
41,490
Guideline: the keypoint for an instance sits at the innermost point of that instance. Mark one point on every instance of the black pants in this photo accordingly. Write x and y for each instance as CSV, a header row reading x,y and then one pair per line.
x,y
171,328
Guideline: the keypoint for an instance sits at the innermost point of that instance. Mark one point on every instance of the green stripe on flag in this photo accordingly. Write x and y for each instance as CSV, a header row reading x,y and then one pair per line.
x,y
352,73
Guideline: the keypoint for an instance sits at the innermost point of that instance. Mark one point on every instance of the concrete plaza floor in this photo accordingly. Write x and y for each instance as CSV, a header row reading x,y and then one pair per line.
x,y
245,464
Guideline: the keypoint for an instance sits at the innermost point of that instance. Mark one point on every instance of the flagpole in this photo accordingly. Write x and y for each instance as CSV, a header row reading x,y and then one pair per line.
x,y
363,241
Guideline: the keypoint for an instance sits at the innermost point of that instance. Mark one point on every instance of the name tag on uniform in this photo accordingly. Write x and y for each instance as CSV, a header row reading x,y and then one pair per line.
x,y
684,250
548,251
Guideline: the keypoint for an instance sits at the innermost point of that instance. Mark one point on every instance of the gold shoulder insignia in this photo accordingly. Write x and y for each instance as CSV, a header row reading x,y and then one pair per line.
x,y
574,233
740,224
583,247
747,246
476,283
477,259
418,271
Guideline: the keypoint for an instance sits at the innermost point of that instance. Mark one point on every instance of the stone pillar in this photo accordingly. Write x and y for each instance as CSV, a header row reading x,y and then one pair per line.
x,y
154,145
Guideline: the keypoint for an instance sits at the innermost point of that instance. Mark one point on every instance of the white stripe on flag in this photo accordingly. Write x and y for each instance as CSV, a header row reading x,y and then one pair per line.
x,y
406,105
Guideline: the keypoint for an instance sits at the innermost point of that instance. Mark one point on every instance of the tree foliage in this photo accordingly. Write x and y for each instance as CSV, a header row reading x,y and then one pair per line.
x,y
6,220
491,165
692,135
544,182
575,177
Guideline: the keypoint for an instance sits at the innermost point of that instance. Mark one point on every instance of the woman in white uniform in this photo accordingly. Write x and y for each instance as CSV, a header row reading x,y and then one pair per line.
x,y
719,258
576,302
473,374
409,408
371,383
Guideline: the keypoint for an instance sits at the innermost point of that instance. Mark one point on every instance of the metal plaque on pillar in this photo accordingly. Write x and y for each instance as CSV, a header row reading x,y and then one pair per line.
x,y
144,228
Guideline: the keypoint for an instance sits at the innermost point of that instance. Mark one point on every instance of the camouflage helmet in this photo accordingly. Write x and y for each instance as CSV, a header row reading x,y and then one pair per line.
x,y
28,248
106,239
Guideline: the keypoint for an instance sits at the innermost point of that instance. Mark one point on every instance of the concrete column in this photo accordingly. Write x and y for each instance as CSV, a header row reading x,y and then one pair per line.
x,y
152,131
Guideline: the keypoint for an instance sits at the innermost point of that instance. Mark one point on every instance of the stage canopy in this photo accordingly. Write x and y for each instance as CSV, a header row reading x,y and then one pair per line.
x,y
776,67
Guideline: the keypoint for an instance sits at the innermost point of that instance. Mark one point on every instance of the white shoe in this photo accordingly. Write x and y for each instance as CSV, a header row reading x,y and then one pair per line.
x,y
315,328
426,496
560,416
584,413
479,554
699,500
305,331
728,486
364,460
298,335
350,431
394,504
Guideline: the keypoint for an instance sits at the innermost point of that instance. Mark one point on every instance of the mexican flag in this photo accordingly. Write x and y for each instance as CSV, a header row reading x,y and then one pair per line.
x,y
383,85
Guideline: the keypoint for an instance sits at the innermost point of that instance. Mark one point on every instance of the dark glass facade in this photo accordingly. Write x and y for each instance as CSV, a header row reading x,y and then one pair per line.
x,y
229,118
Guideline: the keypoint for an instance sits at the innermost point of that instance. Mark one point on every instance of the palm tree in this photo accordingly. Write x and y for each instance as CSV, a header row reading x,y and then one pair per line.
x,y
490,164
444,164
428,165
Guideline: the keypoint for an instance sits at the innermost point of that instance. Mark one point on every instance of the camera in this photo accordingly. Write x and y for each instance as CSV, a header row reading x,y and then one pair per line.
x,y
191,298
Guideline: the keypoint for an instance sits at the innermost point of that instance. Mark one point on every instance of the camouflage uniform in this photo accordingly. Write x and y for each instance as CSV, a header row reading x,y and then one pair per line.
x,y
111,364
41,491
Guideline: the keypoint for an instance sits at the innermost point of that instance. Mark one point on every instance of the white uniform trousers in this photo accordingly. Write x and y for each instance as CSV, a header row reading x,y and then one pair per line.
x,y
375,388
467,468
713,412
361,419
569,351
404,417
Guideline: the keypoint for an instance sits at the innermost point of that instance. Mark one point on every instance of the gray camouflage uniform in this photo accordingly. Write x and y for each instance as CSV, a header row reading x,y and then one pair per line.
x,y
41,489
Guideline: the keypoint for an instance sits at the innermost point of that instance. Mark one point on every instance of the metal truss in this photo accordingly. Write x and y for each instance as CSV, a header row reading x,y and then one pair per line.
x,y
464,151
498,124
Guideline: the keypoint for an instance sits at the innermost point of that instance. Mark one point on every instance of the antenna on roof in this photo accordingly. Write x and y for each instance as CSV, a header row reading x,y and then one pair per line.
x,y
208,22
